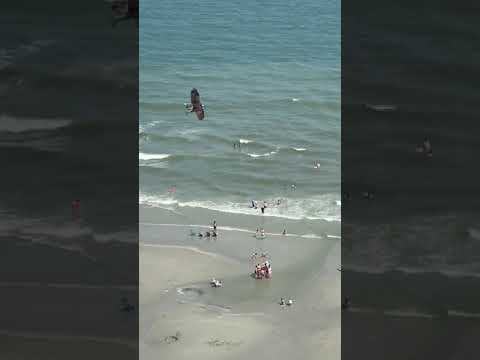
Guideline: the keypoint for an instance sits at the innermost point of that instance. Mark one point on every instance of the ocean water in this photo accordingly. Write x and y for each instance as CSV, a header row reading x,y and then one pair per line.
x,y
269,77
425,216
68,120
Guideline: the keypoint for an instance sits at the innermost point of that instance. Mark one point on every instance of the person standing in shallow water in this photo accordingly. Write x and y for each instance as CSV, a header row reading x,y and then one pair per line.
x,y
214,225
263,207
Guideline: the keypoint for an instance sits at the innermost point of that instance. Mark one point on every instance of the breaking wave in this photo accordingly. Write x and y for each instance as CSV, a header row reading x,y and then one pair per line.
x,y
323,207
12,124
145,156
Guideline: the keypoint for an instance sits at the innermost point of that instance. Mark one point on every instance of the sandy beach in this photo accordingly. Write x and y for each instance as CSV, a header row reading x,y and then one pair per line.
x,y
182,316
47,312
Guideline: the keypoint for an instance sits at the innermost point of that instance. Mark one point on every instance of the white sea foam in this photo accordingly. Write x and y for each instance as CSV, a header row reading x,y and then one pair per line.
x,y
245,141
316,208
59,232
456,313
408,313
474,233
18,125
234,229
262,155
299,149
145,156
381,107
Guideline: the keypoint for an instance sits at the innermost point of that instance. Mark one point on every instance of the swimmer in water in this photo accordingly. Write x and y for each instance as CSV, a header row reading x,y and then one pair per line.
x,y
284,232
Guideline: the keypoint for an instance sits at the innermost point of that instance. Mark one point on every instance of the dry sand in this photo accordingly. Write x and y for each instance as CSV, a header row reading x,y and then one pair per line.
x,y
182,317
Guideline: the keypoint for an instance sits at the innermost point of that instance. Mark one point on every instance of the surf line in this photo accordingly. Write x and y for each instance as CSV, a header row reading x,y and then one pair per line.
x,y
59,337
227,228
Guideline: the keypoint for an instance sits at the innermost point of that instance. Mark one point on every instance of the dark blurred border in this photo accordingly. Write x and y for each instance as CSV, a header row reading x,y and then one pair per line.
x,y
410,244
68,180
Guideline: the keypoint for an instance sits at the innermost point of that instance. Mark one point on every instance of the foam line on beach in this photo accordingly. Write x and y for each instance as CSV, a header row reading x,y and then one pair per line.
x,y
379,270
408,313
415,313
20,125
324,207
58,337
462,314
228,228
68,286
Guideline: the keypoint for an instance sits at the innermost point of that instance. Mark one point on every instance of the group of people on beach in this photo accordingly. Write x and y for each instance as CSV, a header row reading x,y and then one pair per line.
x,y
263,270
263,206
212,233
260,233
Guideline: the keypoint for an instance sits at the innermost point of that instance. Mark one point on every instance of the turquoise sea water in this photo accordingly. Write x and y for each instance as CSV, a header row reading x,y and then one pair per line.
x,y
268,73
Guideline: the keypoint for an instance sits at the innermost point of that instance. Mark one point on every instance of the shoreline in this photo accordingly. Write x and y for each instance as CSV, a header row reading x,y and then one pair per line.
x,y
243,315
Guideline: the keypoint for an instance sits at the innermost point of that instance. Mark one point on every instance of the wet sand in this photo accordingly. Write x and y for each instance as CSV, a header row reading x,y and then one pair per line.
x,y
52,298
182,316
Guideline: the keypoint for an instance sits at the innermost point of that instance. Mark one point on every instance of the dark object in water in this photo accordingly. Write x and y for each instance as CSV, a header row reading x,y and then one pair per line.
x,y
197,106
